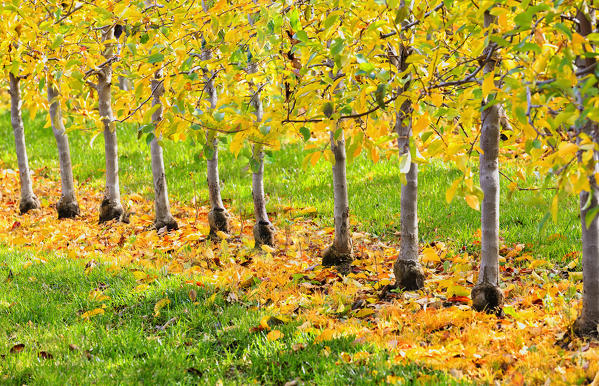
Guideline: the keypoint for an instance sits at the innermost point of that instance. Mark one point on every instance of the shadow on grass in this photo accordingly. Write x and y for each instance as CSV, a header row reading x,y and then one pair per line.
x,y
198,337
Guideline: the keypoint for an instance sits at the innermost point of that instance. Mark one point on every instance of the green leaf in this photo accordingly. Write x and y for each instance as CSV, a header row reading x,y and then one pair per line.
x,y
327,109
156,58
305,132
332,19
590,216
380,93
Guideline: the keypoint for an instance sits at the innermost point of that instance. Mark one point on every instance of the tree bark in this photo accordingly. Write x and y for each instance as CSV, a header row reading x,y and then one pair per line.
x,y
67,206
340,252
264,231
587,323
111,207
408,271
218,217
486,294
28,199
161,201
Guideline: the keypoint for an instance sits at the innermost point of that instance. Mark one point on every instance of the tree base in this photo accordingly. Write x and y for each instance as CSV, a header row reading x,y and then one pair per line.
x,y
586,328
342,260
487,297
67,208
110,210
170,223
219,220
409,275
29,204
264,234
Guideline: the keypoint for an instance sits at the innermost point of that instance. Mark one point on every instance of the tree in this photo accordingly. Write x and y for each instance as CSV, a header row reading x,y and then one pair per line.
x,y
340,252
29,200
587,131
67,206
486,294
264,231
161,202
408,271
111,207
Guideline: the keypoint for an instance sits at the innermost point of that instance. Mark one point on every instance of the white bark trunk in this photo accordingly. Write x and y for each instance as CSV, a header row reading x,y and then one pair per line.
x,y
67,206
340,253
263,229
218,217
408,272
588,321
486,295
28,199
161,201
111,204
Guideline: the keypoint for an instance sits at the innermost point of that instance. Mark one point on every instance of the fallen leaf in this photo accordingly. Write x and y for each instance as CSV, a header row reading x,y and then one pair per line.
x,y
274,335
17,348
159,305
94,312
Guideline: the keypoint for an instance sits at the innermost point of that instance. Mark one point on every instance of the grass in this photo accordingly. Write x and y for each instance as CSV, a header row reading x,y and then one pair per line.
x,y
373,188
206,341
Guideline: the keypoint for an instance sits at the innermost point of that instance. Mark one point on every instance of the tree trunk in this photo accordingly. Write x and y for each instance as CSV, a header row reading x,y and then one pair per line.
x,y
408,271
28,199
218,217
161,202
486,294
67,206
264,231
587,323
110,208
340,253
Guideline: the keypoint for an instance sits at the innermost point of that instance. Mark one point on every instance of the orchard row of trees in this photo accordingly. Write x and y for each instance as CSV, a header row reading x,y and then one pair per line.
x,y
445,80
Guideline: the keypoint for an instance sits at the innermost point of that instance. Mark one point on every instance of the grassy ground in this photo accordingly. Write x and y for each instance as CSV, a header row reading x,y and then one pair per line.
x,y
45,340
373,188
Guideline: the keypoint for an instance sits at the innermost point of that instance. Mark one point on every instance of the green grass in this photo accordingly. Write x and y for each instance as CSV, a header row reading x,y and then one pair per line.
x,y
373,188
42,299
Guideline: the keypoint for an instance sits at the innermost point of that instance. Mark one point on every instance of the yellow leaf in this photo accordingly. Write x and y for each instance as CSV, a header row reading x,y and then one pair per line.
x,y
94,312
267,248
420,124
488,84
567,150
160,304
264,322
324,336
364,312
450,193
314,158
429,255
437,99
222,235
345,357
274,335
554,208
457,290
575,276
97,296
473,202
140,288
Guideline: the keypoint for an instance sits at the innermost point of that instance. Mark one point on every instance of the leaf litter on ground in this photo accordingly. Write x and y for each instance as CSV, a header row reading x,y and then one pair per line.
x,y
434,327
